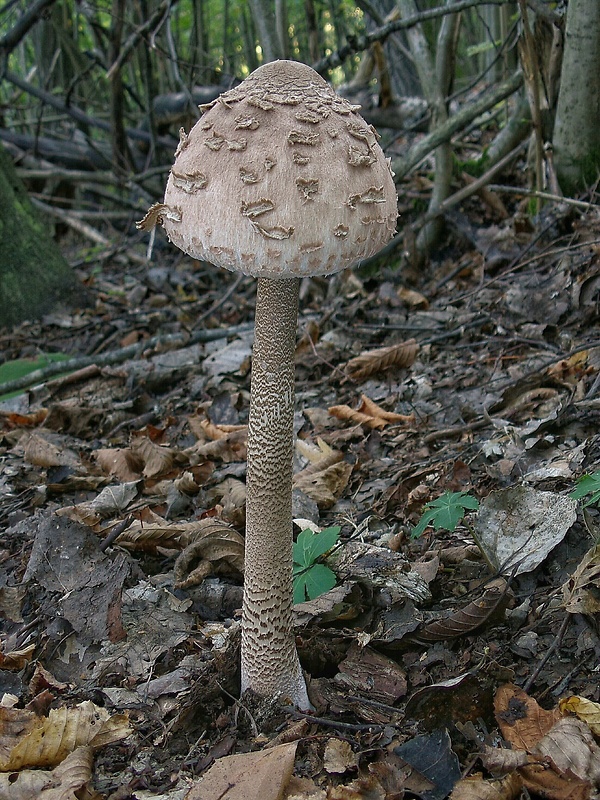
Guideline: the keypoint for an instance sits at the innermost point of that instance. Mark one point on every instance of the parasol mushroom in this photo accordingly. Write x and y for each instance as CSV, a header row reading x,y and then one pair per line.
x,y
279,179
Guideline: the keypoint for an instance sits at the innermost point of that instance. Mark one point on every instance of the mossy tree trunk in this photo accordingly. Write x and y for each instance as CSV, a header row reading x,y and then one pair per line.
x,y
34,277
577,128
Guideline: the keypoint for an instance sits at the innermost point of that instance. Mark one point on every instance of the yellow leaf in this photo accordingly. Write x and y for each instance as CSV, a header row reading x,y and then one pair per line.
x,y
586,710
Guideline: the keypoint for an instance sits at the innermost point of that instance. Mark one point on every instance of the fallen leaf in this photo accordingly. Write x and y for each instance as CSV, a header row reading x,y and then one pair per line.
x,y
383,358
314,453
517,527
433,762
27,740
362,788
17,659
476,788
412,298
228,448
586,710
62,783
324,486
467,619
571,748
120,462
42,453
522,721
338,756
250,776
213,542
581,592
370,414
156,458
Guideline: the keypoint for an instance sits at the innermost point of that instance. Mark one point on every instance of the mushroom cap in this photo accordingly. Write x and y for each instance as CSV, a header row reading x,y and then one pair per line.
x,y
280,177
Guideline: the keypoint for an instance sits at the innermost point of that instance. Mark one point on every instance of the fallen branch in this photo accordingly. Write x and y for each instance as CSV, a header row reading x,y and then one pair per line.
x,y
473,187
555,198
79,115
134,351
457,122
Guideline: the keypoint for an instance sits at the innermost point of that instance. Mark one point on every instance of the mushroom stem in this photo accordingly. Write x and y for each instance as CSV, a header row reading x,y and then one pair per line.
x,y
270,662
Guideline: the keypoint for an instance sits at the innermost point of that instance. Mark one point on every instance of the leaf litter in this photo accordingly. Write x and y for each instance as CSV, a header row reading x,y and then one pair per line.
x,y
463,662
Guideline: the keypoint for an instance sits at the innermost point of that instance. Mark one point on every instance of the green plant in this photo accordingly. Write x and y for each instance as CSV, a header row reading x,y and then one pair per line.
x,y
312,578
445,512
587,485
13,370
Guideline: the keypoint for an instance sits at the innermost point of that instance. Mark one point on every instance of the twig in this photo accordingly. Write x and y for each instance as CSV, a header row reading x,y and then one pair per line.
x,y
358,43
12,38
331,723
544,196
133,351
474,187
132,41
79,115
458,121
115,532
218,303
553,647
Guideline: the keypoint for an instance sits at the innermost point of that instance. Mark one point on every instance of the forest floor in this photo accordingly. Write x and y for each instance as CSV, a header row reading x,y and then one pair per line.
x,y
436,663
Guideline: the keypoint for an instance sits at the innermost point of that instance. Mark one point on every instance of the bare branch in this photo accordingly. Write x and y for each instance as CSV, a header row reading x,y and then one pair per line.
x,y
357,44
457,122
12,38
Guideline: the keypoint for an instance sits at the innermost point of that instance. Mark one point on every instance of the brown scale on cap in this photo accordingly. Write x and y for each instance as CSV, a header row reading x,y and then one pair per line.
x,y
323,158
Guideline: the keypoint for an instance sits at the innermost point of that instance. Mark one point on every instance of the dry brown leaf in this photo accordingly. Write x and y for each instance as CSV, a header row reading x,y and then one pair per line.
x,y
31,420
367,406
369,414
348,414
216,432
571,748
502,761
212,542
585,710
81,513
522,721
27,740
383,358
17,659
250,776
363,788
303,789
333,457
232,496
41,453
186,484
581,593
413,299
466,619
120,462
315,453
476,788
157,459
61,783
546,783
325,486
11,602
338,756
112,501
229,447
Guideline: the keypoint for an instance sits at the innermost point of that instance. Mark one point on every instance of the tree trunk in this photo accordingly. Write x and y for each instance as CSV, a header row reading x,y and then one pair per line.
x,y
577,131
263,14
34,277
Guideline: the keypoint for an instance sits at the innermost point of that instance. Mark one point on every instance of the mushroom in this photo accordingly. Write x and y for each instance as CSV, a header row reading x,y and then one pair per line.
x,y
279,179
